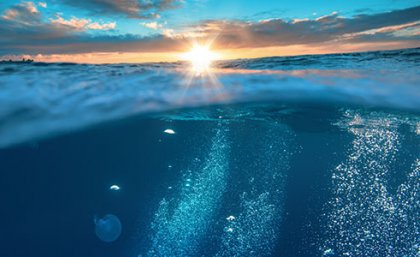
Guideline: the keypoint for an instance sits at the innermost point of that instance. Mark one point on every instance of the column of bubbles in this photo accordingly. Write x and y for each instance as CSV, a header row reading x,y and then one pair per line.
x,y
180,223
252,229
364,217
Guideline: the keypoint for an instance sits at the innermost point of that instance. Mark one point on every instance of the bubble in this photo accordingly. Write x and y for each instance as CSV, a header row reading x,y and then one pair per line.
x,y
114,188
169,131
328,252
231,218
108,228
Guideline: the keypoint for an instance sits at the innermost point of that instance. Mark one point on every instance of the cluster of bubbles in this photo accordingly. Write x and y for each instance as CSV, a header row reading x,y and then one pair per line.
x,y
365,217
254,231
251,233
181,223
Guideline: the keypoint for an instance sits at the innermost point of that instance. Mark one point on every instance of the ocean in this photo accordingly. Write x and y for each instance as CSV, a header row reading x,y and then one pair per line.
x,y
315,155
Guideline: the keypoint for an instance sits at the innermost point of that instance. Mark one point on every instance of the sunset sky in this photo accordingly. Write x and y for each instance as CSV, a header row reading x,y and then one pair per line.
x,y
108,31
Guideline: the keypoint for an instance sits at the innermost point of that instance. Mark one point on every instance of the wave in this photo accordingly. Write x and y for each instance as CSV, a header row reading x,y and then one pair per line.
x,y
394,59
39,99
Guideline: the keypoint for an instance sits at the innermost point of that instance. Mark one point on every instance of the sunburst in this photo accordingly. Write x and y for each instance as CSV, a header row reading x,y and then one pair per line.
x,y
200,58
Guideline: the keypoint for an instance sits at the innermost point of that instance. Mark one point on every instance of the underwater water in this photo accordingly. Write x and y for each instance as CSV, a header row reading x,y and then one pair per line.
x,y
283,156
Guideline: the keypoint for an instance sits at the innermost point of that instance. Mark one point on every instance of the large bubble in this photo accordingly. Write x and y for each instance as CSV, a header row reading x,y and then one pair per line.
x,y
108,228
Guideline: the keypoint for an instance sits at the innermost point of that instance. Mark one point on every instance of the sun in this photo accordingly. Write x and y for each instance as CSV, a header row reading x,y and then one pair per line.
x,y
201,58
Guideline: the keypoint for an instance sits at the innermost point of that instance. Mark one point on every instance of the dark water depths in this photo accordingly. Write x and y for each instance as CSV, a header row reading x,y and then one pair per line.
x,y
303,182
283,162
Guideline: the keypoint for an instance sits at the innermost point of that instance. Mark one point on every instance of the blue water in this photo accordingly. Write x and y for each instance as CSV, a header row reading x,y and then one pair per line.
x,y
283,156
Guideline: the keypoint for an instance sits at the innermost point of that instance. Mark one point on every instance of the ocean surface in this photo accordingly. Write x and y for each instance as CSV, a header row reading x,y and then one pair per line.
x,y
314,155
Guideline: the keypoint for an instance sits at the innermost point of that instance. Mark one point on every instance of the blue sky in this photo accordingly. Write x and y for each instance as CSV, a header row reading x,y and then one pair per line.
x,y
54,27
252,10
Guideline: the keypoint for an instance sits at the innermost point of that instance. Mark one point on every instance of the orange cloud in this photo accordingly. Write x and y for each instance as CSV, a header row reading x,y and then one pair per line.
x,y
82,24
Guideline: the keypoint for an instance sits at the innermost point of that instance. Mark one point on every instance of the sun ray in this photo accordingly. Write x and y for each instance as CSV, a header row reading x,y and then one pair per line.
x,y
200,58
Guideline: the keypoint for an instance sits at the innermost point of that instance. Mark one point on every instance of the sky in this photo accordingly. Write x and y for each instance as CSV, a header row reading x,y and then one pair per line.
x,y
125,31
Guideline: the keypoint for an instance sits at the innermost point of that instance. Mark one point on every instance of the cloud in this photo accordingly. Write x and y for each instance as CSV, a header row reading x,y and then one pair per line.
x,y
409,31
42,4
279,32
138,9
168,33
104,26
24,13
82,24
24,31
152,25
74,23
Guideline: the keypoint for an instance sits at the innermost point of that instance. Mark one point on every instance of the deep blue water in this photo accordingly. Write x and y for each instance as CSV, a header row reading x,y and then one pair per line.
x,y
290,156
